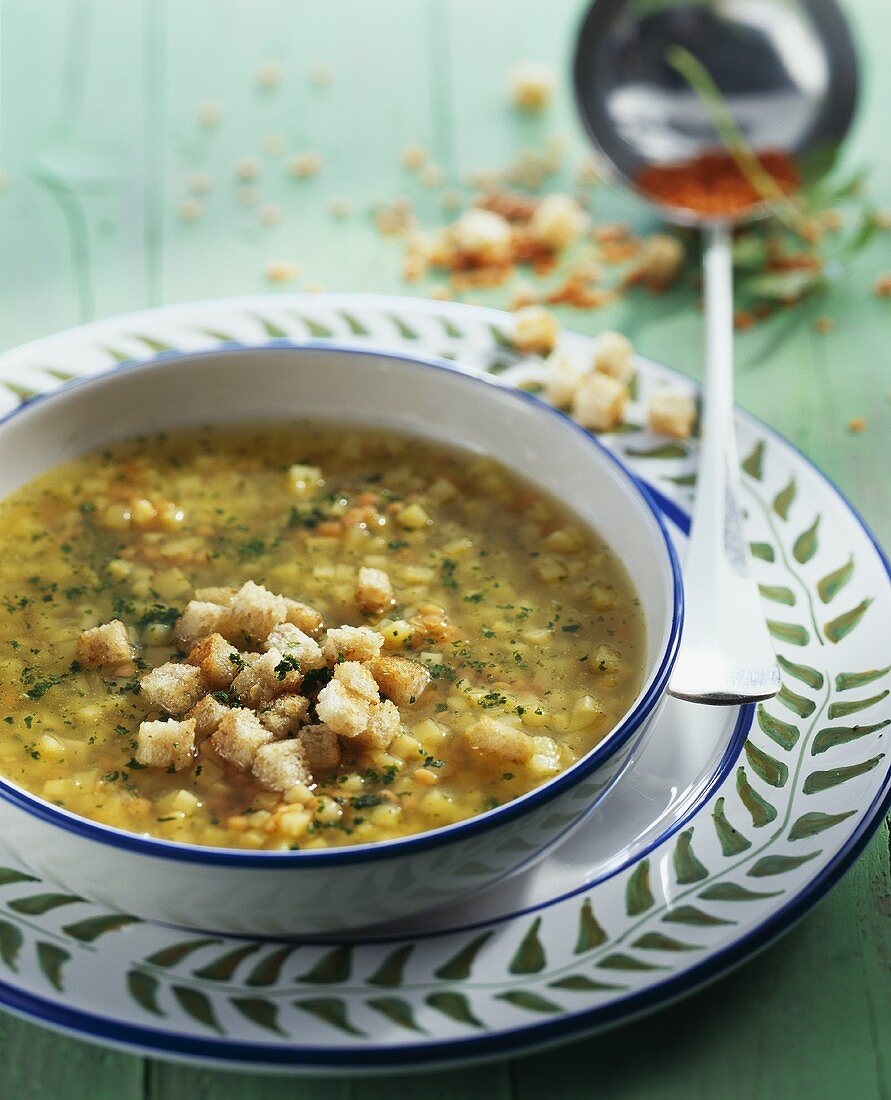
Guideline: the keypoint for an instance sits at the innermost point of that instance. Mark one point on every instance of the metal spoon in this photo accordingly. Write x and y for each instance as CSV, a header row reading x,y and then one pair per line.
x,y
788,74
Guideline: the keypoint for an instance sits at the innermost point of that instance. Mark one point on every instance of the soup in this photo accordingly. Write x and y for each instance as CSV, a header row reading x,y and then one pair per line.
x,y
297,636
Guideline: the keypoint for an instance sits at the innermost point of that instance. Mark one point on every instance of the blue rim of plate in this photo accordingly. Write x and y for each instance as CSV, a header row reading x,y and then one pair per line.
x,y
524,1039
617,737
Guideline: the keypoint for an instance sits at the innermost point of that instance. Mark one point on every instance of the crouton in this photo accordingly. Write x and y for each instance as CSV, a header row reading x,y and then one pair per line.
x,y
264,677
374,591
284,716
342,710
563,379
217,660
199,619
170,687
207,714
483,236
535,330
558,222
532,86
351,643
672,412
255,611
399,679
282,765
166,744
293,642
300,614
660,263
614,355
104,646
357,679
322,747
383,725
599,402
496,738
238,737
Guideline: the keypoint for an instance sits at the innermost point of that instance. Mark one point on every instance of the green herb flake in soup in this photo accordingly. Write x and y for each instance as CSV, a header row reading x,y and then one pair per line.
x,y
165,667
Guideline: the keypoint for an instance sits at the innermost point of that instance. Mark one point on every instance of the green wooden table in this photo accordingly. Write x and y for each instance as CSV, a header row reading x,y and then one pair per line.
x,y
98,122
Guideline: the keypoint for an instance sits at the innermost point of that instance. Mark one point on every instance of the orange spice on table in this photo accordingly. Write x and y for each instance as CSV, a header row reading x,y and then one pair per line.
x,y
714,184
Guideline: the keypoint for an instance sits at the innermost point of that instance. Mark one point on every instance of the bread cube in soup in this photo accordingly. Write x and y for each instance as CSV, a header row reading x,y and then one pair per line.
x,y
300,614
199,619
171,687
104,646
284,716
207,714
357,679
238,737
342,710
322,747
166,744
382,726
264,677
351,643
374,590
282,765
493,737
399,678
217,660
292,641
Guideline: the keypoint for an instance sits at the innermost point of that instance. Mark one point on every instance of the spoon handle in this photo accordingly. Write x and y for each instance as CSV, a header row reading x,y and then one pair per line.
x,y
726,656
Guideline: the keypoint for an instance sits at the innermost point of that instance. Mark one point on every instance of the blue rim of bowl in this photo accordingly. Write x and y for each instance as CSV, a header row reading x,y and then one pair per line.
x,y
612,743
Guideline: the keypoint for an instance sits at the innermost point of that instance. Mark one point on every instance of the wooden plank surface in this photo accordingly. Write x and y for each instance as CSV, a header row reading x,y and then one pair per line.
x,y
98,137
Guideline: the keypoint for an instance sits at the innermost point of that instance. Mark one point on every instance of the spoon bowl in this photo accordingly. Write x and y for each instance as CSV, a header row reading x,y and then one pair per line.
x,y
786,70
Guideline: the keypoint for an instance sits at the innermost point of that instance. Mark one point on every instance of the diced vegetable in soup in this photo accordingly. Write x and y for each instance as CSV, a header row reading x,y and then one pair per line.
x,y
293,636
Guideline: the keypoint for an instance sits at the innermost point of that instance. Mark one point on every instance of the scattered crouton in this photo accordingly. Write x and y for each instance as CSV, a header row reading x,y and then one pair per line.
x,y
166,744
672,412
659,264
374,591
482,236
207,714
238,737
104,646
497,738
171,687
282,765
531,86
342,710
535,330
351,643
613,355
265,676
558,222
600,401
199,619
294,643
563,379
217,660
284,716
322,747
357,679
399,679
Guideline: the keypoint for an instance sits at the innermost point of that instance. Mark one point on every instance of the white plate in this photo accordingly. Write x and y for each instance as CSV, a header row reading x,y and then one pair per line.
x,y
728,828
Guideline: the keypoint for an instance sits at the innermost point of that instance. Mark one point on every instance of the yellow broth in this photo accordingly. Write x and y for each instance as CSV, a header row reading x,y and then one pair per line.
x,y
529,596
